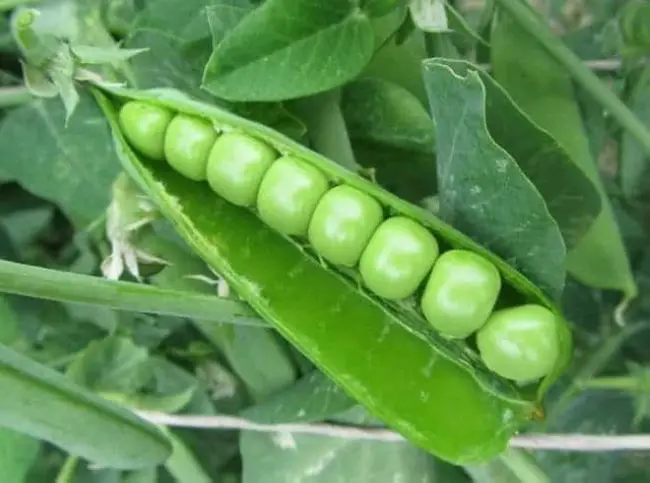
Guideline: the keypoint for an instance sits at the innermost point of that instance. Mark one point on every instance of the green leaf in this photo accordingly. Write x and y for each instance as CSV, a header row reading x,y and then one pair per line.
x,y
292,64
592,412
183,465
163,65
400,63
429,15
48,284
37,82
255,354
380,8
512,466
391,132
167,64
62,75
148,475
187,21
46,405
25,226
634,163
326,127
72,167
224,15
574,203
18,453
111,365
89,54
172,388
321,459
463,30
9,332
37,41
312,398
483,191
544,91
120,15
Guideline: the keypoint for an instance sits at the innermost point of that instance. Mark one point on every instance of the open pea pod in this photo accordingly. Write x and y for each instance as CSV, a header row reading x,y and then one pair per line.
x,y
434,390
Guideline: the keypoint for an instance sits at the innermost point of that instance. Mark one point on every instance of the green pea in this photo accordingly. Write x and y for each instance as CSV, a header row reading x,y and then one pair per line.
x,y
343,222
144,126
460,294
236,165
288,195
188,142
520,343
398,258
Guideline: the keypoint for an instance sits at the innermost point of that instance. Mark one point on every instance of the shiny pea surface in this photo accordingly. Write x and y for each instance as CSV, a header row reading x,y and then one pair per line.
x,y
520,343
460,293
236,165
288,195
398,258
188,141
144,126
342,224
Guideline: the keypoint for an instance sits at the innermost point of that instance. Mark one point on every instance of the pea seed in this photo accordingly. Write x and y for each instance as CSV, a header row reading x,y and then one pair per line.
x,y
460,293
236,165
289,194
398,258
188,142
343,222
144,126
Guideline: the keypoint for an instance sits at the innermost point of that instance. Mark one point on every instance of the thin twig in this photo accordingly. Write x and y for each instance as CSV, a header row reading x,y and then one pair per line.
x,y
548,442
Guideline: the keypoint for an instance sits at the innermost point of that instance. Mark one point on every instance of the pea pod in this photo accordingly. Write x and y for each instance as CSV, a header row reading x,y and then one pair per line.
x,y
432,388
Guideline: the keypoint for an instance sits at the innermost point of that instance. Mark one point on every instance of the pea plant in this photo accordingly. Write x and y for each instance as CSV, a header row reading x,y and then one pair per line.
x,y
290,240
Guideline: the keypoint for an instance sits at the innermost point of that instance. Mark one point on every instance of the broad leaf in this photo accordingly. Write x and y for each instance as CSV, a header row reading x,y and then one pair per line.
x,y
46,405
73,167
313,398
399,62
574,203
112,365
187,21
18,453
392,133
483,192
322,459
167,64
289,48
544,91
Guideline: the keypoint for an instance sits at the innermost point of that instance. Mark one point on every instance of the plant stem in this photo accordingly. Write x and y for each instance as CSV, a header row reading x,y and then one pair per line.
x,y
621,383
67,471
30,281
523,466
324,120
589,81
594,364
14,96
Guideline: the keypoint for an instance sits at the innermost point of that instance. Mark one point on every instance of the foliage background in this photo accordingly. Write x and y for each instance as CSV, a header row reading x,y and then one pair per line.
x,y
369,108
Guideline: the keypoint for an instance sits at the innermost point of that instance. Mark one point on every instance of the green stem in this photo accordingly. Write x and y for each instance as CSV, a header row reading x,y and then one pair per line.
x,y
595,364
620,383
522,13
523,466
67,471
14,96
30,281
